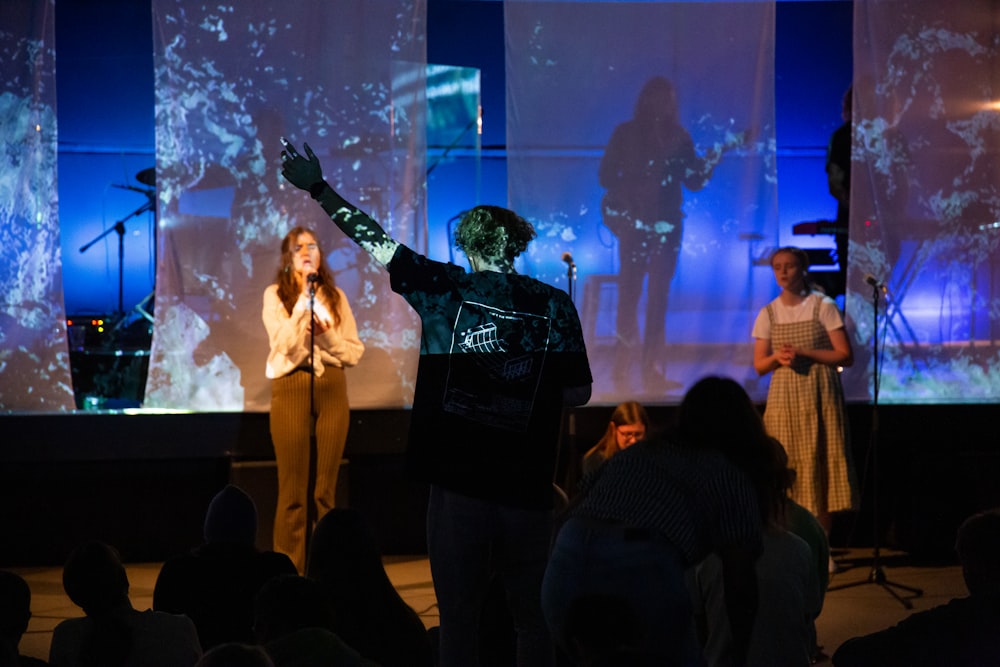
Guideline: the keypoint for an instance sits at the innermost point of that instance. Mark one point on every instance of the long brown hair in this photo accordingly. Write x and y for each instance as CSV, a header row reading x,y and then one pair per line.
x,y
289,287
717,413
628,413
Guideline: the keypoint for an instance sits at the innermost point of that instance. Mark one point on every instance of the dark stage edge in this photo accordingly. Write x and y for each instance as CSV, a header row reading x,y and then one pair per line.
x,y
143,481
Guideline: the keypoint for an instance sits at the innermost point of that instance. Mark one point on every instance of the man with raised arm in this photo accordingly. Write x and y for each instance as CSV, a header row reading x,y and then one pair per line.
x,y
501,355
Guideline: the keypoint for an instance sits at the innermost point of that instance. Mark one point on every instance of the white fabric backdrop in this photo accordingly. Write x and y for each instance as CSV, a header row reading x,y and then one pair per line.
x,y
925,198
574,72
34,357
231,79
346,77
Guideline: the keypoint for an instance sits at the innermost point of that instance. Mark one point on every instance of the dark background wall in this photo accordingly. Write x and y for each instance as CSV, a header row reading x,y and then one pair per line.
x,y
143,482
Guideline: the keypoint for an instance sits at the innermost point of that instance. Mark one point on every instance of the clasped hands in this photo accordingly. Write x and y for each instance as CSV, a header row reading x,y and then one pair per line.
x,y
785,355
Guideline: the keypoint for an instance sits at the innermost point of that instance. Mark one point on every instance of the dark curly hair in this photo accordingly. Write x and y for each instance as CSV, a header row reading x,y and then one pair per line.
x,y
493,233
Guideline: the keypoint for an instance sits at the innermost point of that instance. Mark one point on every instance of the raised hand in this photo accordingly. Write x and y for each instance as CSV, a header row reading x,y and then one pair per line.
x,y
306,173
302,172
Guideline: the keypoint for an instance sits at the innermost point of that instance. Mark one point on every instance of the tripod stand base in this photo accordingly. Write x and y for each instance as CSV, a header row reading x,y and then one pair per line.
x,y
141,310
143,307
878,578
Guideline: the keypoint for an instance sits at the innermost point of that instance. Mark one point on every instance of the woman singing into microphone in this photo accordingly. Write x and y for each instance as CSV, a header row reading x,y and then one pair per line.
x,y
303,287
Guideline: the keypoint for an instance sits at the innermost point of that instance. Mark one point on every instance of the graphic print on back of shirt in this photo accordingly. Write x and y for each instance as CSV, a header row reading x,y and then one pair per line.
x,y
495,365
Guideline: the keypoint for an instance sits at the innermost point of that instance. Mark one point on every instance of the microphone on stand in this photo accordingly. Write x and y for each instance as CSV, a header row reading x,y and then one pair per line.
x,y
570,273
312,279
873,281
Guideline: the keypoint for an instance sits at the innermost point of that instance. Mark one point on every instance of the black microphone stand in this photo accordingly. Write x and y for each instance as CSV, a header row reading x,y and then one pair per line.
x,y
571,279
569,429
311,517
877,574
119,227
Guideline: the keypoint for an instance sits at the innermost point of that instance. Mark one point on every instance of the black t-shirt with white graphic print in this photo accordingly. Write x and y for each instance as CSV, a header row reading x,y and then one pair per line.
x,y
496,352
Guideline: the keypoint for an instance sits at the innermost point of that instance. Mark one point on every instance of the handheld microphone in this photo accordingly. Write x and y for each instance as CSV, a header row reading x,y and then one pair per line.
x,y
568,258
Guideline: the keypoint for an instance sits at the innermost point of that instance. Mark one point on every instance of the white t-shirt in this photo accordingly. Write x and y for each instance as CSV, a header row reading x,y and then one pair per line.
x,y
829,315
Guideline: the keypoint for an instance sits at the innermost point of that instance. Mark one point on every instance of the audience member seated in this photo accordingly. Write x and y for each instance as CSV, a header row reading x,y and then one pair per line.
x,y
649,513
15,612
293,621
216,583
804,523
369,615
629,424
235,654
787,581
963,632
113,633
